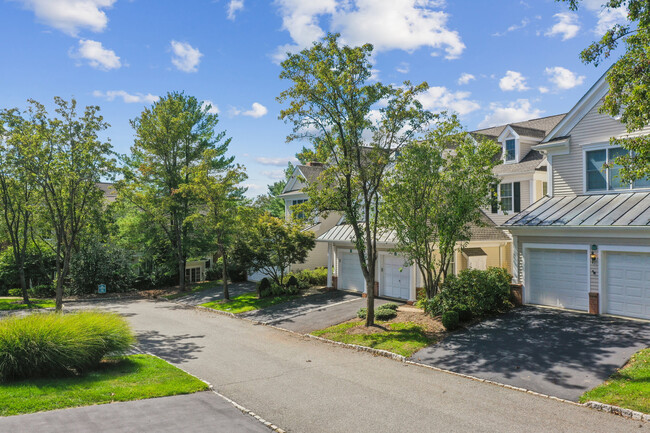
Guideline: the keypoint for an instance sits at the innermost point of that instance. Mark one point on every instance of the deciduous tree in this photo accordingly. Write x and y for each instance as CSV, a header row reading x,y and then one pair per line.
x,y
357,126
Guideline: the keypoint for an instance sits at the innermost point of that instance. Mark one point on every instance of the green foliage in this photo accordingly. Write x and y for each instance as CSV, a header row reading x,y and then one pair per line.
x,y
483,292
464,313
127,378
53,344
434,196
43,291
247,302
629,80
310,277
175,144
450,320
270,245
99,263
15,292
328,75
275,290
10,304
264,284
383,312
39,268
292,281
236,271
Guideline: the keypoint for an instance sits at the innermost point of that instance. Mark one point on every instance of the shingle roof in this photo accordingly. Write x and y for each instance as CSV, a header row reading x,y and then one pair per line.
x,y
528,132
526,165
488,231
597,210
110,194
311,172
545,124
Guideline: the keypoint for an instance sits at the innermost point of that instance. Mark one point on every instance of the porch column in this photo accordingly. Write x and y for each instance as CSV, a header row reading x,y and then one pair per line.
x,y
329,264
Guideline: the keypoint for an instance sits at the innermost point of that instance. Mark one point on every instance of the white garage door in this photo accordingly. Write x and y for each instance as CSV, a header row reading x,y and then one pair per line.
x,y
396,278
627,290
350,276
558,278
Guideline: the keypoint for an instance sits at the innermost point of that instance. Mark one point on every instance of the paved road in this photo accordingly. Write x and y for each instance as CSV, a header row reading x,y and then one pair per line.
x,y
555,352
209,412
215,294
304,385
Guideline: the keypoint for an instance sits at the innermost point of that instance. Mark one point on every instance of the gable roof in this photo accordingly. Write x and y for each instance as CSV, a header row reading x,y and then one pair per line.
x,y
580,110
532,126
309,172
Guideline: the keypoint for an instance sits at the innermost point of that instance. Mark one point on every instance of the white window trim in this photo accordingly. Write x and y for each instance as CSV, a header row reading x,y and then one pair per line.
x,y
585,190
510,211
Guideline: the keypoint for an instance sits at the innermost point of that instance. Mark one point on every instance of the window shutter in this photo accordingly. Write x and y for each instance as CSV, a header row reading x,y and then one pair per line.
x,y
495,204
516,197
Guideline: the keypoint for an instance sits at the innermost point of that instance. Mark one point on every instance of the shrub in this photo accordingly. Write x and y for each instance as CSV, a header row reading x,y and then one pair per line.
x,y
292,281
236,272
362,313
55,344
263,286
15,292
385,313
43,291
450,320
389,306
464,313
483,292
100,263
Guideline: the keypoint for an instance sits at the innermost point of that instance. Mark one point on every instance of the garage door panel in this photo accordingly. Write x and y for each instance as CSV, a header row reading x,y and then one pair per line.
x,y
558,278
627,284
396,278
350,276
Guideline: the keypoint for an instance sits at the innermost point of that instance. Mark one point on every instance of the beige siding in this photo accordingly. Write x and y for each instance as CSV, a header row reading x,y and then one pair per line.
x,y
594,128
318,256
500,218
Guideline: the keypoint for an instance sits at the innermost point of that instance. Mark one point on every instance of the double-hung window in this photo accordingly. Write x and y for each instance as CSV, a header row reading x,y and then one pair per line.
x,y
300,215
510,152
601,178
505,194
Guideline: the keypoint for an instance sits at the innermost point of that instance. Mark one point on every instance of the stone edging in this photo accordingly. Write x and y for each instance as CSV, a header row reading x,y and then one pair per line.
x,y
615,410
238,406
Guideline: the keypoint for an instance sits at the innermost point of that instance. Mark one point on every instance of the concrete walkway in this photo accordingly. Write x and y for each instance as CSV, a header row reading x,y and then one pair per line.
x,y
554,352
200,412
303,385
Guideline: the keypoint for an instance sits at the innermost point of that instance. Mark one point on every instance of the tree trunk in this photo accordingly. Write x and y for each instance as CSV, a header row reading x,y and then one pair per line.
x,y
224,276
59,281
23,282
181,274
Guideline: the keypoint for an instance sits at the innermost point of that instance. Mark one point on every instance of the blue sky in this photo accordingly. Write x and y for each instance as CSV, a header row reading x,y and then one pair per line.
x,y
493,62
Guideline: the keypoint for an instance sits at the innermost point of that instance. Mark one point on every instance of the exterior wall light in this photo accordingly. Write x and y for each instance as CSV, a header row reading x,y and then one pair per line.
x,y
594,253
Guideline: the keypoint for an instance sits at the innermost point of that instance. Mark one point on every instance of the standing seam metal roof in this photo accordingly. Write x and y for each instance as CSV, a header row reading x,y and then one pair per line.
x,y
597,210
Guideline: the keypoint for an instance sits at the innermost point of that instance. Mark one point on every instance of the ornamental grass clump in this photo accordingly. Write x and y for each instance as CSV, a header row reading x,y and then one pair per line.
x,y
55,344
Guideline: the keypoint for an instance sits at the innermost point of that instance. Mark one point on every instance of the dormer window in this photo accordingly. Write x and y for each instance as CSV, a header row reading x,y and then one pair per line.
x,y
510,151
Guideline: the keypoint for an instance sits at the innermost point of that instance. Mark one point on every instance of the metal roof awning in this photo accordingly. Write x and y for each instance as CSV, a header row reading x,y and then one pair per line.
x,y
345,233
473,252
595,210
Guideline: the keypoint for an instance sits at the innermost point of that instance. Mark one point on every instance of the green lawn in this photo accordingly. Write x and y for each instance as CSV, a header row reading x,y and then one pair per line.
x,y
246,302
403,338
628,388
199,287
10,304
133,377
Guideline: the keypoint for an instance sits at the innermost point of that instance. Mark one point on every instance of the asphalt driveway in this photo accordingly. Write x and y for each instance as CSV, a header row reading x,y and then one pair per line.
x,y
314,312
554,352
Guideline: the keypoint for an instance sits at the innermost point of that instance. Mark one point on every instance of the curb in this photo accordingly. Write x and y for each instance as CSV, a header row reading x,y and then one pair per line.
x,y
614,410
238,406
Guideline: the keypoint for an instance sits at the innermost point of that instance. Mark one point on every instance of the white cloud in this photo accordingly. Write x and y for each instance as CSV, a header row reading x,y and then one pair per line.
x,y
257,110
442,99
277,161
563,78
513,81
97,56
403,68
606,17
543,89
234,6
517,111
128,98
465,78
70,16
374,74
185,57
273,174
213,107
514,27
567,25
388,24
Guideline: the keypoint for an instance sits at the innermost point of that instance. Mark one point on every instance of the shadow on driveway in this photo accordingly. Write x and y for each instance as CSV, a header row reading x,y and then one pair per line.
x,y
554,352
